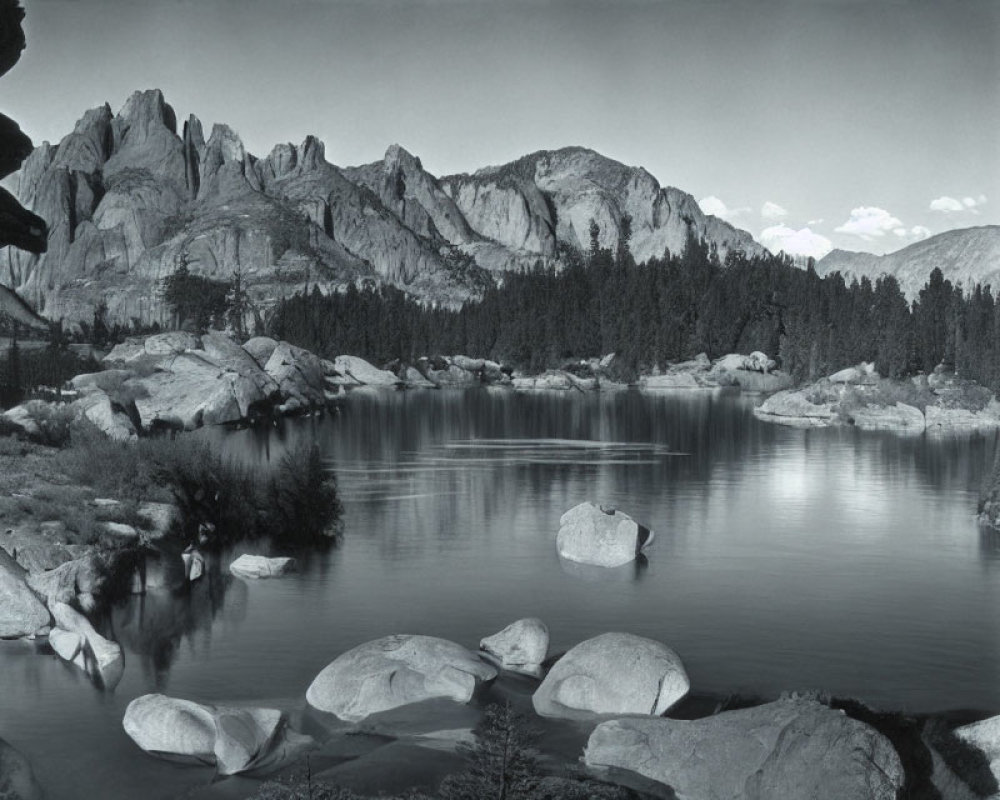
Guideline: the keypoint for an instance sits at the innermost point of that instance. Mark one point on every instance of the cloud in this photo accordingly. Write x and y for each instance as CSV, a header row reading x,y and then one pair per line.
x,y
869,222
919,232
796,243
951,205
714,206
772,211
812,222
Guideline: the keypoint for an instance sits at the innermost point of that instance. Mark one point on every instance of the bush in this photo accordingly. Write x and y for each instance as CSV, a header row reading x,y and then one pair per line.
x,y
295,502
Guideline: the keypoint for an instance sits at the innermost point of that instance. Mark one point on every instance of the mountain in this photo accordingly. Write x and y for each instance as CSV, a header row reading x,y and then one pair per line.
x,y
129,197
967,256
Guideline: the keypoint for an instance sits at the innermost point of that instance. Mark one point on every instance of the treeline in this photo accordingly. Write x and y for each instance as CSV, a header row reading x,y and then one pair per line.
x,y
666,310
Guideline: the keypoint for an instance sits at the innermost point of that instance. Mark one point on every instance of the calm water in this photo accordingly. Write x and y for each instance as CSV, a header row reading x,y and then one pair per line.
x,y
783,559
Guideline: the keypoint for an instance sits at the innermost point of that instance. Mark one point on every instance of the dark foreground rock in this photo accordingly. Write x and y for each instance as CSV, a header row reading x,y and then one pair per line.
x,y
793,748
17,780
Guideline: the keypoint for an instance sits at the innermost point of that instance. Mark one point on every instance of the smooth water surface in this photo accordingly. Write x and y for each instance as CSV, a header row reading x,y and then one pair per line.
x,y
833,559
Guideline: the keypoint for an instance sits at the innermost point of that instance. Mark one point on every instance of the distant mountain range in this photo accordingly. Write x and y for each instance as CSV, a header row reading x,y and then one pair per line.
x,y
966,255
128,197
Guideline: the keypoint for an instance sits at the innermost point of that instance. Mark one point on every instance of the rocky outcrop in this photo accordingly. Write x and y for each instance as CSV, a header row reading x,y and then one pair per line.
x,y
615,673
355,371
233,739
254,567
521,647
790,748
751,373
396,671
75,640
21,612
129,197
941,402
600,536
550,197
17,779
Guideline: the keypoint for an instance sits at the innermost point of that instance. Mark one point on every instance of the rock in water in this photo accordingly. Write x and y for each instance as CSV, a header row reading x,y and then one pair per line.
x,y
21,612
590,535
788,749
614,673
98,656
194,564
395,671
234,739
248,566
522,646
17,781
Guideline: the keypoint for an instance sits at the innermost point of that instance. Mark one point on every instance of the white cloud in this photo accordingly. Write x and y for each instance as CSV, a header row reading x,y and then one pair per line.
x,y
869,222
951,205
919,232
772,211
714,206
796,243
812,222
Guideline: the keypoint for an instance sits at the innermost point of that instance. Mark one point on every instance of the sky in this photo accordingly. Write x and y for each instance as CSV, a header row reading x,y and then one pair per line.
x,y
860,124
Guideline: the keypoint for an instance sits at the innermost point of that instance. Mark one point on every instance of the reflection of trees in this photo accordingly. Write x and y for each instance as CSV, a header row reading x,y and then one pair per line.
x,y
390,444
153,625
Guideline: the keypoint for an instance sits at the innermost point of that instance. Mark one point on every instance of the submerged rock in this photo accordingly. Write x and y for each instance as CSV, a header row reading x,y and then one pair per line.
x,y
234,739
250,566
522,646
788,749
395,671
591,534
614,673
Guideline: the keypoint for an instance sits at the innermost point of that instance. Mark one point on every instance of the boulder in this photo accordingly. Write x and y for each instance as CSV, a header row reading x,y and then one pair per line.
x,y
945,419
522,646
415,378
589,534
614,673
66,644
787,749
171,343
99,657
250,566
17,780
21,612
299,375
359,371
97,407
900,417
260,348
234,739
83,575
793,407
23,419
672,380
194,564
468,364
395,671
985,736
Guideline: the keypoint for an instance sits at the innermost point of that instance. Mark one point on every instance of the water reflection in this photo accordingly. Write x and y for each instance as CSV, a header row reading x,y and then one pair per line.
x,y
152,626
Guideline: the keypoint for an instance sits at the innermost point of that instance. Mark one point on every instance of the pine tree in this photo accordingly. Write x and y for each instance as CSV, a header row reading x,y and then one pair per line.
x,y
502,763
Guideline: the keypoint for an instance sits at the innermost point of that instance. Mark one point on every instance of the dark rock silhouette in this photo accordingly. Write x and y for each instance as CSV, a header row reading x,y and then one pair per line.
x,y
18,227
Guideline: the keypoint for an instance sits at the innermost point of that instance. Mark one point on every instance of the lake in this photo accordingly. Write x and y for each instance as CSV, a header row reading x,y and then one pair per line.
x,y
832,559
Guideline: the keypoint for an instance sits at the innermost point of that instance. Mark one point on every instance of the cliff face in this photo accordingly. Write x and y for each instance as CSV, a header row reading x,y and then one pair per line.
x,y
967,256
128,197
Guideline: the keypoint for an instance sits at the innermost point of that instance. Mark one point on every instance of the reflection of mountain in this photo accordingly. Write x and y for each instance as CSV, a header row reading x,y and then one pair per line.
x,y
153,625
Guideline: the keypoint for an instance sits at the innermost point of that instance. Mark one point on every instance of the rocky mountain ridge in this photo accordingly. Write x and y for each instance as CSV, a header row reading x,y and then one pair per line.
x,y
129,197
965,255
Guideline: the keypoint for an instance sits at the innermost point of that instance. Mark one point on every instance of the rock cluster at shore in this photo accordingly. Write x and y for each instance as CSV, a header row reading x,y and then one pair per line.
x,y
753,373
859,396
